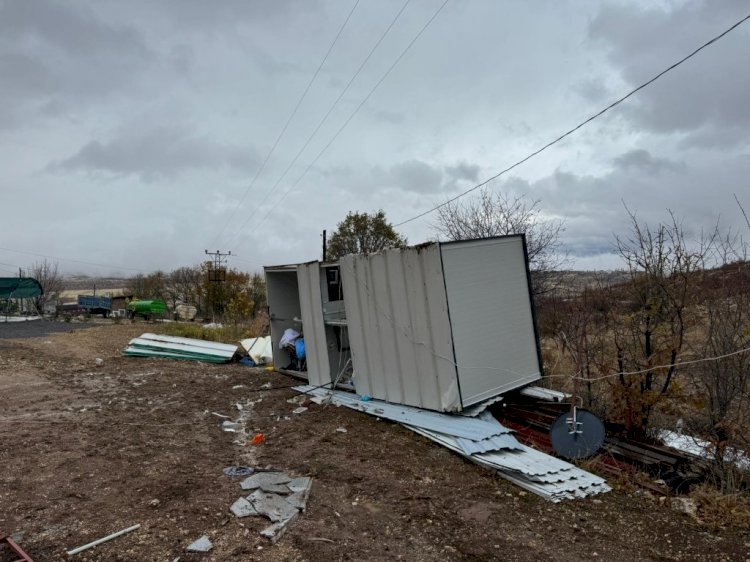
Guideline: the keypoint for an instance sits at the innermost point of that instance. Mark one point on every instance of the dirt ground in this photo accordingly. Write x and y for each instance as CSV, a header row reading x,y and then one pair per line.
x,y
89,449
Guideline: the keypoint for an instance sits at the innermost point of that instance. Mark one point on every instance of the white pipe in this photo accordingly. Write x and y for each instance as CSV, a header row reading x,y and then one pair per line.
x,y
103,539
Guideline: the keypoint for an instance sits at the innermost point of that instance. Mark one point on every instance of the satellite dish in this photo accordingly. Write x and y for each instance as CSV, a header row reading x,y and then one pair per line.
x,y
577,435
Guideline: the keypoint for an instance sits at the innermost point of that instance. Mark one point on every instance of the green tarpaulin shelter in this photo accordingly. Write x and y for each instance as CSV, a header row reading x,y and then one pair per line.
x,y
19,288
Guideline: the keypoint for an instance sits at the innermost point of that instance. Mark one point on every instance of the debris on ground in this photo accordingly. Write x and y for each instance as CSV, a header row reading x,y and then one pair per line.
x,y
688,506
276,496
482,440
173,347
12,543
259,349
203,544
231,426
103,540
257,439
238,470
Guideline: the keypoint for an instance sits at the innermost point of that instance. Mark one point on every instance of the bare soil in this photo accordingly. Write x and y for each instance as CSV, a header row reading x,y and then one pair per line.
x,y
89,449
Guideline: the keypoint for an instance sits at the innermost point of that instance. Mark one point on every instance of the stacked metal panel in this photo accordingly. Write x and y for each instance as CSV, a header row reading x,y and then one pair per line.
x,y
483,440
153,345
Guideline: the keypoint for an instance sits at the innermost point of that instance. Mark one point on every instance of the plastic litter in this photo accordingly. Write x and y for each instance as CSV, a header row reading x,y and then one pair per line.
x,y
238,470
257,439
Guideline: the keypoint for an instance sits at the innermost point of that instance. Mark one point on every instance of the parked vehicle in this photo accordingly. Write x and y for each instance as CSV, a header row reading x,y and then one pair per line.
x,y
146,309
95,305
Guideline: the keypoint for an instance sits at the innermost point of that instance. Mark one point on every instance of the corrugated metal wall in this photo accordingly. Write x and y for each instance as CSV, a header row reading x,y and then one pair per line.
x,y
491,316
399,329
311,305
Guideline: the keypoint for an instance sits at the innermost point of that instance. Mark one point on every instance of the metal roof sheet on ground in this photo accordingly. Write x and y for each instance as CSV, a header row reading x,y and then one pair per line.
x,y
156,345
537,472
460,426
569,483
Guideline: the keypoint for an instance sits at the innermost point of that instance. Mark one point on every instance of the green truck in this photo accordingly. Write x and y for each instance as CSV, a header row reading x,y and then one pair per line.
x,y
146,309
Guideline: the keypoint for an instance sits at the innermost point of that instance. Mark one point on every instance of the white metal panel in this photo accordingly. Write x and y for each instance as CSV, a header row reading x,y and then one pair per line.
x,y
313,329
282,290
399,330
491,316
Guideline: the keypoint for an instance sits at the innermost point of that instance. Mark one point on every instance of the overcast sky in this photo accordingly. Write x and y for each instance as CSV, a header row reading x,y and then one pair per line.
x,y
131,131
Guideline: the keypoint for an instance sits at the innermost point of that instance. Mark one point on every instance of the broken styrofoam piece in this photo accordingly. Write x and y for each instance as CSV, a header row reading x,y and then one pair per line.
x,y
299,410
273,506
266,481
274,532
243,508
259,349
203,544
231,426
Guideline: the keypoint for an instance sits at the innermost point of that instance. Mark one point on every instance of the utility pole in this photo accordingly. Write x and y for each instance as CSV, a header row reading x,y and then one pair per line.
x,y
217,274
324,245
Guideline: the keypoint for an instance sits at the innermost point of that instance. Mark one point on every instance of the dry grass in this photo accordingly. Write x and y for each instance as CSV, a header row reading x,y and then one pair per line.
x,y
229,333
719,510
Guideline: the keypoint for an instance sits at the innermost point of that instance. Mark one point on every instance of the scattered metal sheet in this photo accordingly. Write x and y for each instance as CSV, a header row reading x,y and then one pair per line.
x,y
275,531
494,447
300,484
203,544
273,506
269,481
153,345
476,409
243,508
459,426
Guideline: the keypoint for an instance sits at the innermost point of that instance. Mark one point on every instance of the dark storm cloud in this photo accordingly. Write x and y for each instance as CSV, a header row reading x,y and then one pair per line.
x,y
642,160
163,152
707,92
416,176
54,56
463,171
70,27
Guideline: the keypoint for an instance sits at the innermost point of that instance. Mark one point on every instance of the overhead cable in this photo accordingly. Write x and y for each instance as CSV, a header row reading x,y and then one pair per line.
x,y
356,110
325,117
579,126
288,121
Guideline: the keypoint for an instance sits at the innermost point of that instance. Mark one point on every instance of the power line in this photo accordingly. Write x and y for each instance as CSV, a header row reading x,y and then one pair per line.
x,y
288,121
356,110
654,368
328,113
580,125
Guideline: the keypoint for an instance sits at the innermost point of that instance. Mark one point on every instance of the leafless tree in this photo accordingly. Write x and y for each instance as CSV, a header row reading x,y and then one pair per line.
x,y
498,214
662,264
723,384
49,277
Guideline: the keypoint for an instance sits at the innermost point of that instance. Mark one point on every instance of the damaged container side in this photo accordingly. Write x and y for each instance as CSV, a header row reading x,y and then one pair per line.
x,y
399,328
491,314
311,306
